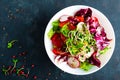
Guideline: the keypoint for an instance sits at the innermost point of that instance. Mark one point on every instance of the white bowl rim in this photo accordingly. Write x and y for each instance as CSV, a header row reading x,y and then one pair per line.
x,y
113,42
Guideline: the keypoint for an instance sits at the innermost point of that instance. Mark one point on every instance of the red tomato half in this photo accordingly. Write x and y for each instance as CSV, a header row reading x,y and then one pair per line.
x,y
57,41
57,51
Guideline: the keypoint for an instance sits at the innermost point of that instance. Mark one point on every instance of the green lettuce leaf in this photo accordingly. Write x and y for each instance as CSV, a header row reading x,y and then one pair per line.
x,y
51,33
104,50
55,27
64,30
86,66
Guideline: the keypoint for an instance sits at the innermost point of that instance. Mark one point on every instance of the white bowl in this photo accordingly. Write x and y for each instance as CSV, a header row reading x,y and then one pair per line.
x,y
102,20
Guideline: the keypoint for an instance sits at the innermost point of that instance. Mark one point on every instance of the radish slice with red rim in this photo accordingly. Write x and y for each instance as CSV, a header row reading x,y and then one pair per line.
x,y
73,62
63,18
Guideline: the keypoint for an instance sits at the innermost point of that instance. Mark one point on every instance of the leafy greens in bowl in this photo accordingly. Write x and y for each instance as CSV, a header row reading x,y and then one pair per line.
x,y
79,40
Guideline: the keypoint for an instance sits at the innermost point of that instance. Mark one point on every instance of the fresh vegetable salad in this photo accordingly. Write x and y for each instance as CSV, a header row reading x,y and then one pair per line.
x,y
79,39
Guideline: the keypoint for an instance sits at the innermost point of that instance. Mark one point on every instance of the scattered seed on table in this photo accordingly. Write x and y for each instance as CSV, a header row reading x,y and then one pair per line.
x,y
32,65
34,77
49,74
2,55
56,78
4,28
13,56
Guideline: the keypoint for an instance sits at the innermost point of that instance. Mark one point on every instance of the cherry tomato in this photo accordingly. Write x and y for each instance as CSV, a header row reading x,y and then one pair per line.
x,y
73,62
57,41
57,51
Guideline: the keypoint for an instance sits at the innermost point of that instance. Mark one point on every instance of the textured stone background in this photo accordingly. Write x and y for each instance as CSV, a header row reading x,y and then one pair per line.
x,y
26,20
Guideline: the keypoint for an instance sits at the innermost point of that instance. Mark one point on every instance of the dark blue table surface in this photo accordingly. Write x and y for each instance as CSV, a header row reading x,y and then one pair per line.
x,y
26,20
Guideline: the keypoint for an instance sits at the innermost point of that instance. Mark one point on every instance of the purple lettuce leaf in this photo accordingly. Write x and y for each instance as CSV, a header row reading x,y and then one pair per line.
x,y
94,60
86,13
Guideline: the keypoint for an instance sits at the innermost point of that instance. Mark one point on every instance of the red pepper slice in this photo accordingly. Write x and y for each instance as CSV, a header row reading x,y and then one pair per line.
x,y
80,18
61,24
62,37
71,27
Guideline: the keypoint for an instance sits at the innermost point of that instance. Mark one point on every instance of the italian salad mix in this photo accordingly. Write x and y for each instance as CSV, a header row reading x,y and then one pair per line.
x,y
79,39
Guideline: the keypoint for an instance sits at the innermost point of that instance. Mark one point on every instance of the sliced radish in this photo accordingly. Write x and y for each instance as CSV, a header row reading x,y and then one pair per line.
x,y
63,18
73,62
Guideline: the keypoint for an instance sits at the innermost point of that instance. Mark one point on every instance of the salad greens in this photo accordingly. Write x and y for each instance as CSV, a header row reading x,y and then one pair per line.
x,y
79,41
55,27
86,66
64,30
104,50
51,33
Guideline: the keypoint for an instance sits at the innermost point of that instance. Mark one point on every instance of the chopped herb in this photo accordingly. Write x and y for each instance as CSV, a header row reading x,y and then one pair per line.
x,y
11,43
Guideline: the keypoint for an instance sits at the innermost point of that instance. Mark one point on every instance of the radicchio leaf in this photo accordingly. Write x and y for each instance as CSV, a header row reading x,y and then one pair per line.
x,y
94,60
99,33
93,22
73,20
101,39
84,12
80,12
88,13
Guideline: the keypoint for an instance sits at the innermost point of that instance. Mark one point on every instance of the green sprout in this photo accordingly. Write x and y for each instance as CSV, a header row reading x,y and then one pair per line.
x,y
18,70
15,63
11,43
5,71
